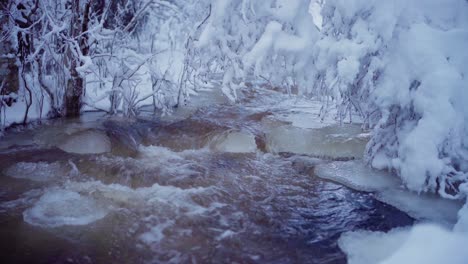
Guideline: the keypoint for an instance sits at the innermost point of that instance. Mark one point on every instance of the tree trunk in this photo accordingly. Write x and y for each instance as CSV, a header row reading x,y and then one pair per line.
x,y
75,87
74,93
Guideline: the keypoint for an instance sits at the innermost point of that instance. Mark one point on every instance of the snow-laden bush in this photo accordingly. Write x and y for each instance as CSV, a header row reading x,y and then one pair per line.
x,y
402,65
399,64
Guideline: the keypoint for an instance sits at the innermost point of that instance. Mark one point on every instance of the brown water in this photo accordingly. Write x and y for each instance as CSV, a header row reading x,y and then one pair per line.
x,y
216,184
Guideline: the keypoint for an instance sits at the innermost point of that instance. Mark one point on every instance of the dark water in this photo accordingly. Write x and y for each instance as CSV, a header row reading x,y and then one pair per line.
x,y
188,190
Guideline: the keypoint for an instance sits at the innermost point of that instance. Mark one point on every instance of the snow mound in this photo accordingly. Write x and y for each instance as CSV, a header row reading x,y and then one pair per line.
x,y
366,247
63,207
331,142
234,142
35,171
86,142
355,175
424,243
426,207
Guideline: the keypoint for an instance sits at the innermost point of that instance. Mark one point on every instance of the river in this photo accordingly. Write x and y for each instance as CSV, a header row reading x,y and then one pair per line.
x,y
212,183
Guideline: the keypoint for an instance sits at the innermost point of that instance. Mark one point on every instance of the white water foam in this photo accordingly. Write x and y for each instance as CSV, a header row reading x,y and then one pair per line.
x,y
36,171
64,207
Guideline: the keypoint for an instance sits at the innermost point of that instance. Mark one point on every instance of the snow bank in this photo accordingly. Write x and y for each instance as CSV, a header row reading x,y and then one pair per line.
x,y
63,207
422,243
366,247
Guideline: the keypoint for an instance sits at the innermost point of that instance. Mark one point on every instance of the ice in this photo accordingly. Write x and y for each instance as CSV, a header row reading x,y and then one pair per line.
x,y
330,142
424,207
388,187
86,142
36,171
423,243
64,207
356,175
234,142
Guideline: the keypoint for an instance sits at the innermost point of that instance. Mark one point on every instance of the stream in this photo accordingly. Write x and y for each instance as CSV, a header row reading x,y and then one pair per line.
x,y
212,183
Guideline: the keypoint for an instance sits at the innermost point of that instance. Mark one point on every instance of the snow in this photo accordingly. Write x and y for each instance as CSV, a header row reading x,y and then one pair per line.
x,y
423,243
367,247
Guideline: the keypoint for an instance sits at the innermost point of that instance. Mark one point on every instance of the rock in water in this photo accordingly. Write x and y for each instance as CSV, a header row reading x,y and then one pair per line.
x,y
126,136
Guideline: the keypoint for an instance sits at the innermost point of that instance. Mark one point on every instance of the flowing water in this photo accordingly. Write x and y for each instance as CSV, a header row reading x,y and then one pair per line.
x,y
212,183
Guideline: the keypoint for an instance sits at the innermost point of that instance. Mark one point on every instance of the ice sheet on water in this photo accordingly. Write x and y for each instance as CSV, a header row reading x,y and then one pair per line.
x,y
333,142
356,175
86,142
36,171
426,207
234,142
423,243
60,207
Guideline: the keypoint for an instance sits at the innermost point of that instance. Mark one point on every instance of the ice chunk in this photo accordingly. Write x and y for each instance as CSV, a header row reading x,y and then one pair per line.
x,y
424,243
86,142
356,175
235,142
35,171
427,207
333,142
63,207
